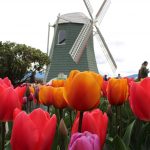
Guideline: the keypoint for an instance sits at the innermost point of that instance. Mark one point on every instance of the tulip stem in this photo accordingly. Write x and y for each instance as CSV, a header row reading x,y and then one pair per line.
x,y
3,135
70,115
120,123
60,114
116,124
80,121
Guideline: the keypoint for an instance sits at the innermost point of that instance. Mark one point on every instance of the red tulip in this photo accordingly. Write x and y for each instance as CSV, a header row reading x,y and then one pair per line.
x,y
95,122
20,91
117,91
9,100
34,131
104,88
6,82
140,99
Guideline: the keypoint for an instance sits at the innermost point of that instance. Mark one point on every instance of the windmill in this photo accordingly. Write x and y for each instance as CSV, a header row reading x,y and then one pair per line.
x,y
72,45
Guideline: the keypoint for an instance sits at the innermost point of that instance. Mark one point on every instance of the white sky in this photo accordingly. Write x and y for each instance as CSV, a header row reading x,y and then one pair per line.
x,y
125,27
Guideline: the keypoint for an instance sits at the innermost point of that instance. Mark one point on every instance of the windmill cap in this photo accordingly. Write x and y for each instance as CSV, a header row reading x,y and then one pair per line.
x,y
76,17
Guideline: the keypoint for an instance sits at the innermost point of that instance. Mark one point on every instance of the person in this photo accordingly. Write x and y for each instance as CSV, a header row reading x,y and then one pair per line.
x,y
119,76
105,77
143,71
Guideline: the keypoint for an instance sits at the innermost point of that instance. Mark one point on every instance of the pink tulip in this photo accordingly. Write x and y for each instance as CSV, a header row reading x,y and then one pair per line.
x,y
84,141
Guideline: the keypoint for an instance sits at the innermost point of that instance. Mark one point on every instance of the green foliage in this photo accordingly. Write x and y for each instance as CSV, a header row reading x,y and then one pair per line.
x,y
17,59
128,133
119,144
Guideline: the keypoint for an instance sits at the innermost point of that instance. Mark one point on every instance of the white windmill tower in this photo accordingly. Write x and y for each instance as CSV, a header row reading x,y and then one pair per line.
x,y
77,52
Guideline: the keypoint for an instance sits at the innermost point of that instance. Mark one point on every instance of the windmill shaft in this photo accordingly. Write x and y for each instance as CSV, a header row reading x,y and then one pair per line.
x,y
53,42
48,39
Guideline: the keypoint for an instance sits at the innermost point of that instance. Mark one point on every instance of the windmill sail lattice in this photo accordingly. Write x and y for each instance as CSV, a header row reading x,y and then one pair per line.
x,y
81,41
98,18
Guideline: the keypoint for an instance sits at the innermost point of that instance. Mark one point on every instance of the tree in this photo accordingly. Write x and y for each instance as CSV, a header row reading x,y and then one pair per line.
x,y
17,59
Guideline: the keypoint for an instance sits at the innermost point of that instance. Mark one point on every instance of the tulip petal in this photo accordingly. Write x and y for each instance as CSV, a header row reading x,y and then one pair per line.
x,y
48,134
40,118
84,141
140,100
9,101
25,135
82,92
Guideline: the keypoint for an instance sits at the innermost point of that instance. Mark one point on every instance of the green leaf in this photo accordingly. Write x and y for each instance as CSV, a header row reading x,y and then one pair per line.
x,y
108,144
128,133
144,136
119,144
7,146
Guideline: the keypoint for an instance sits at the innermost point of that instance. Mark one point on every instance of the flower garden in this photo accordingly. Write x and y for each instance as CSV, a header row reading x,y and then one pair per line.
x,y
83,112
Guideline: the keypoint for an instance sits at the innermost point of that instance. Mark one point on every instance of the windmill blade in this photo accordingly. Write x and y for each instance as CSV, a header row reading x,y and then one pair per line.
x,y
106,51
101,12
89,7
81,41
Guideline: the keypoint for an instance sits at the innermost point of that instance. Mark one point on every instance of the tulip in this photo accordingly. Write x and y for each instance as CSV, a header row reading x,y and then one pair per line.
x,y
104,88
62,128
117,91
20,91
82,90
58,99
32,90
140,99
84,141
58,83
6,82
9,100
35,131
95,122
46,95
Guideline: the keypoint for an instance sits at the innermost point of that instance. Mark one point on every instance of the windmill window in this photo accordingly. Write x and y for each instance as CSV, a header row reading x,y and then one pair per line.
x,y
61,37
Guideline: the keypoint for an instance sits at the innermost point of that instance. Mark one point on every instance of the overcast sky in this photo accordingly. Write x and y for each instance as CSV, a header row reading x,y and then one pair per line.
x,y
125,27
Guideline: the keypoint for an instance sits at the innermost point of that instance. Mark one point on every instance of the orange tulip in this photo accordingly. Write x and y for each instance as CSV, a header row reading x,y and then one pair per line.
x,y
58,83
32,90
58,99
117,91
82,90
46,95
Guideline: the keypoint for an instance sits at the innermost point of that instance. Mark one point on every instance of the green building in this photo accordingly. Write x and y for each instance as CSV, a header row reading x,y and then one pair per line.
x,y
72,47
